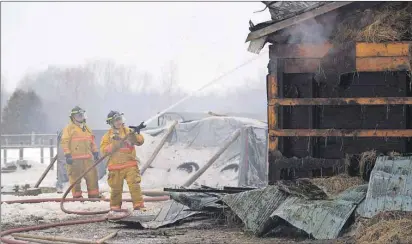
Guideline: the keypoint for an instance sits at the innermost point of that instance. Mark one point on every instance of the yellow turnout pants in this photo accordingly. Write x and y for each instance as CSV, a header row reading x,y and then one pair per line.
x,y
78,168
133,179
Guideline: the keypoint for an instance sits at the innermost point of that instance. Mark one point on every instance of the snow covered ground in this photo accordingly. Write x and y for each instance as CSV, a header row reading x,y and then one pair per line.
x,y
164,173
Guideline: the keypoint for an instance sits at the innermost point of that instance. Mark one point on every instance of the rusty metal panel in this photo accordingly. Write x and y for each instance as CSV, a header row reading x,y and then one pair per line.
x,y
339,133
300,50
341,101
390,186
321,219
376,64
301,65
392,49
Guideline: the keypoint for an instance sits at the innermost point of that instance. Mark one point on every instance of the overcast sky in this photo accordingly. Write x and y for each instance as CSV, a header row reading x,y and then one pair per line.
x,y
203,39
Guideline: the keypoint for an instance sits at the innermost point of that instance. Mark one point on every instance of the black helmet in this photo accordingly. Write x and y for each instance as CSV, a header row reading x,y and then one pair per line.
x,y
77,110
113,115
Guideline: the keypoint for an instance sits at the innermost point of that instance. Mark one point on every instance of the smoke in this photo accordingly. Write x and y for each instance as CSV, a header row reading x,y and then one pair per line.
x,y
313,30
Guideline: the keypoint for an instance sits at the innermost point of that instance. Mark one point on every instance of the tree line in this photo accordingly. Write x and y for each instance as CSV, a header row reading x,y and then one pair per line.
x,y
43,100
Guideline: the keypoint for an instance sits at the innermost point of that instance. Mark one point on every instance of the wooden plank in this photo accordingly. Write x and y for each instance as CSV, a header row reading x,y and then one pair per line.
x,y
296,19
392,49
272,90
339,133
377,64
337,101
272,86
280,71
298,66
300,50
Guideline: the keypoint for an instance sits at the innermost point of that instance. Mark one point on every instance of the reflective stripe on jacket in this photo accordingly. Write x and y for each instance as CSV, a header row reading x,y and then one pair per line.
x,y
80,144
125,157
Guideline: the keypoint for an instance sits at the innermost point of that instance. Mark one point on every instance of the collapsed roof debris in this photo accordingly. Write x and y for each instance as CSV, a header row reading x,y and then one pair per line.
x,y
299,202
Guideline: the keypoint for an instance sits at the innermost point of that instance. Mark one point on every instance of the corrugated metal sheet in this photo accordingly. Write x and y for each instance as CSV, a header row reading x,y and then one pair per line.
x,y
321,219
170,213
300,203
354,194
390,186
255,207
199,201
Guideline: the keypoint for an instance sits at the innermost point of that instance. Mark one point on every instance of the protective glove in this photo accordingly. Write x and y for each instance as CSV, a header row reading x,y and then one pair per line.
x,y
96,156
69,159
138,128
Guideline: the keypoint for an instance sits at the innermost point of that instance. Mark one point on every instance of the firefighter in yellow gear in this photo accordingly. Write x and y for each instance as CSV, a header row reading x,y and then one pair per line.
x,y
122,163
80,149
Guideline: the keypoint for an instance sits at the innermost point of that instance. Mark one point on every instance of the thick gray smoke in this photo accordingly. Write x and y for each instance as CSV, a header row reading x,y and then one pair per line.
x,y
312,30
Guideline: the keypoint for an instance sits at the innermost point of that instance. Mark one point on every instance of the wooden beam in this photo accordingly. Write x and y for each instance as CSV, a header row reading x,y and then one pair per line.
x,y
340,101
272,91
300,50
391,49
339,133
296,19
300,65
378,64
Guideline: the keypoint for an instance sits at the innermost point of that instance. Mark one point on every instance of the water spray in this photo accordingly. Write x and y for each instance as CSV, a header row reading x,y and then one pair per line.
x,y
191,94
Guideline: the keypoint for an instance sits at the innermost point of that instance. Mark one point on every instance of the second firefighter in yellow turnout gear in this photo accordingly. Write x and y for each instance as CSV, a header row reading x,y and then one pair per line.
x,y
123,163
79,149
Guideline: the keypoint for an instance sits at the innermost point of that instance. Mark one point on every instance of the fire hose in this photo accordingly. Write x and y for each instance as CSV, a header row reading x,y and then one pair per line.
x,y
63,200
102,219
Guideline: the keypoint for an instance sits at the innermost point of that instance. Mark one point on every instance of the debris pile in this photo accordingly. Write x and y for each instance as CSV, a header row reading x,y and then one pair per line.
x,y
376,212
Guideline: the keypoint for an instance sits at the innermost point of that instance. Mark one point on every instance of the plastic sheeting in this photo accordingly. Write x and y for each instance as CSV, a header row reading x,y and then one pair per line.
x,y
249,151
390,187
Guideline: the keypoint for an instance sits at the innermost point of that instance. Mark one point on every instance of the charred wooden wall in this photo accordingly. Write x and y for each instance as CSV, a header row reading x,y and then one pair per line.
x,y
334,82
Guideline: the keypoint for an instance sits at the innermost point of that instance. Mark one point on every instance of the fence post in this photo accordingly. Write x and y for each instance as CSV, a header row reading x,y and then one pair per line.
x,y
51,152
21,151
5,156
32,138
42,151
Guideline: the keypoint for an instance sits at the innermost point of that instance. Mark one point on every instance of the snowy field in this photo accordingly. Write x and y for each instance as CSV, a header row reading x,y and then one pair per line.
x,y
164,173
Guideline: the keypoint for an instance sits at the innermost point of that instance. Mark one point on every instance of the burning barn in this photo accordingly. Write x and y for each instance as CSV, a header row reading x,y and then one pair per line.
x,y
338,85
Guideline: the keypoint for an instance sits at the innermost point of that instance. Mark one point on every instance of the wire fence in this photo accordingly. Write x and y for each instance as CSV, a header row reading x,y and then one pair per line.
x,y
32,140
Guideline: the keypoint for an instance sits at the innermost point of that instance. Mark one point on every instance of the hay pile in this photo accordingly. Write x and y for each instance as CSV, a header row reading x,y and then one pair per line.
x,y
390,21
385,228
337,184
366,163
